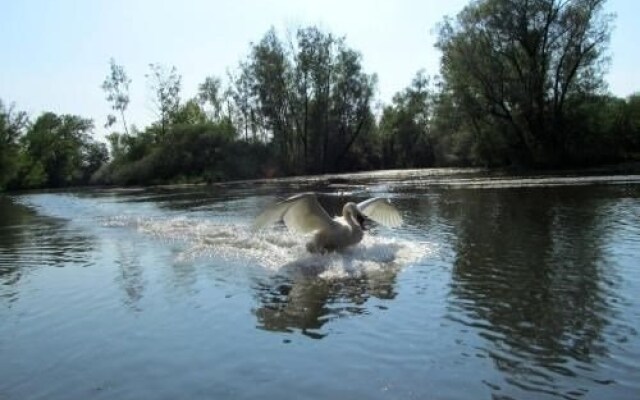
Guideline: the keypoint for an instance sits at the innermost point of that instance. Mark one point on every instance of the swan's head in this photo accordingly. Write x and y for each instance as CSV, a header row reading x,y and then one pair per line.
x,y
350,211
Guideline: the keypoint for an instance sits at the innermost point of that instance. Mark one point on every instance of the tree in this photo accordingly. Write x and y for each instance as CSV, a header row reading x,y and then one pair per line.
x,y
270,69
12,125
245,114
310,97
351,104
61,146
405,126
632,122
514,64
313,52
94,156
165,85
116,86
209,93
190,113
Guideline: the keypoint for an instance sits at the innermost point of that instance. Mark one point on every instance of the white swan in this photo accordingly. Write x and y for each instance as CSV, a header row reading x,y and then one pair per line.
x,y
303,214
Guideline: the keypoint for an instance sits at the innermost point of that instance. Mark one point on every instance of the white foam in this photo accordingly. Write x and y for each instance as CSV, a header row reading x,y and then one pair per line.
x,y
276,249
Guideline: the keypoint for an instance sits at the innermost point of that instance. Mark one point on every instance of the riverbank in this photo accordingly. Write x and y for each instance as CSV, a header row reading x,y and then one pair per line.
x,y
453,177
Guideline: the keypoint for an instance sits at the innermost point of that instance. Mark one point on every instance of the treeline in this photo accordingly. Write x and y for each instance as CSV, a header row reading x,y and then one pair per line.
x,y
521,84
52,151
296,106
524,79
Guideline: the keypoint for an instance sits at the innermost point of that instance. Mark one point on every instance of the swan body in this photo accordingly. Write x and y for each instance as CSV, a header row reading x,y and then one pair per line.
x,y
303,214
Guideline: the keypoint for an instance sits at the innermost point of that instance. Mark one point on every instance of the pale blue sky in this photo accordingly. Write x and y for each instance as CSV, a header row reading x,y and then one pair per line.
x,y
54,54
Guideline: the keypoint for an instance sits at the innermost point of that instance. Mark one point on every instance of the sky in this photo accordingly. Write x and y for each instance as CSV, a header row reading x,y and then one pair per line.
x,y
54,55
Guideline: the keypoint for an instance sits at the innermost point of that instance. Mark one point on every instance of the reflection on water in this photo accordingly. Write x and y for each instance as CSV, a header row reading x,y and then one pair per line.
x,y
130,276
495,287
530,275
306,303
29,240
302,291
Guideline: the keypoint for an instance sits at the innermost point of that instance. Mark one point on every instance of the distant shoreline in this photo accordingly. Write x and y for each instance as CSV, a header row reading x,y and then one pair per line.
x,y
458,177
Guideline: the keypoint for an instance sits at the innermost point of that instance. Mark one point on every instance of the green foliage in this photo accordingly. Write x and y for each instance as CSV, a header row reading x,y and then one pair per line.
x,y
94,155
309,99
189,152
515,65
31,173
603,130
521,84
12,125
54,141
210,94
190,113
632,123
116,87
405,127
57,150
165,85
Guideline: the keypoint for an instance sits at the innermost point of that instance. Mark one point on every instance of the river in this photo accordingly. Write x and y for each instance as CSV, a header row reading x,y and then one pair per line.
x,y
495,287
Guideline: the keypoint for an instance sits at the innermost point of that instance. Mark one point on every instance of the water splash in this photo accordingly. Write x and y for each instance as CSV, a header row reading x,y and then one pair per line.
x,y
275,249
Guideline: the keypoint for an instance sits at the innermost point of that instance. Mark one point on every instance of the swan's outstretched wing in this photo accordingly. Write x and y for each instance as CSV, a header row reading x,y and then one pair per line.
x,y
381,210
301,213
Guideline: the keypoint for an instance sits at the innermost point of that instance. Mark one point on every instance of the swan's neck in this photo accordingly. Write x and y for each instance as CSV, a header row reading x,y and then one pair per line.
x,y
350,218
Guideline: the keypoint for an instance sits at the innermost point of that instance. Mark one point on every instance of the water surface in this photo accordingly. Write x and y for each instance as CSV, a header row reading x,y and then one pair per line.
x,y
495,287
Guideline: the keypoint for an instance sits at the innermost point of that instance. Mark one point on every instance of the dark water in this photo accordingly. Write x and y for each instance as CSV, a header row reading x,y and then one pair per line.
x,y
494,288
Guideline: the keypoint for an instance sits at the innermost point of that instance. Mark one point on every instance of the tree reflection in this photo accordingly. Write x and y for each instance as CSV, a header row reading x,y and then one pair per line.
x,y
29,240
306,302
130,277
12,218
530,263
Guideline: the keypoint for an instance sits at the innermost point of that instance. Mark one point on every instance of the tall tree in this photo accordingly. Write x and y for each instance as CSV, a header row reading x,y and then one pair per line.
x,y
12,125
316,71
351,98
165,84
515,63
116,86
311,97
245,104
271,71
210,93
405,126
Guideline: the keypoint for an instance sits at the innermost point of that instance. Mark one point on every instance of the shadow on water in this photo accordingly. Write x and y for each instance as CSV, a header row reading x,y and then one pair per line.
x,y
29,240
530,277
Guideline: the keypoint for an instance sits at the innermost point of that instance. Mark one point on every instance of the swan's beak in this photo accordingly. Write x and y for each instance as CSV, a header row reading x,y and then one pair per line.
x,y
362,221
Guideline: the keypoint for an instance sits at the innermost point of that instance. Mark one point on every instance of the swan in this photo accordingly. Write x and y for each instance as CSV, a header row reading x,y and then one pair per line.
x,y
303,214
